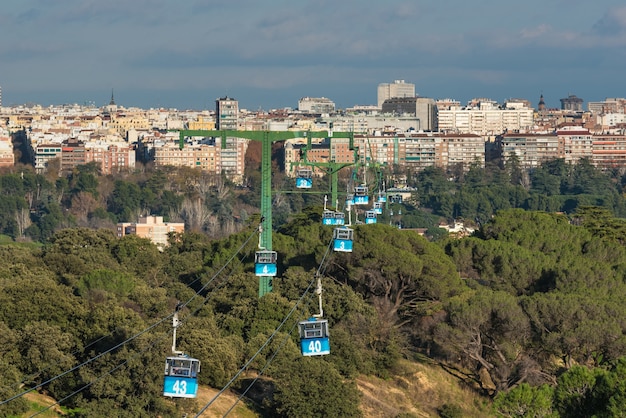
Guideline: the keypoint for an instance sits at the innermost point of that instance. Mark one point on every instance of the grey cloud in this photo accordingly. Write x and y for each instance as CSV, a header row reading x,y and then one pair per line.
x,y
613,23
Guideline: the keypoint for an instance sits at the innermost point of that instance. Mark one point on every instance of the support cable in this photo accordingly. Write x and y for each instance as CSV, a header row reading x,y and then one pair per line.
x,y
128,340
269,339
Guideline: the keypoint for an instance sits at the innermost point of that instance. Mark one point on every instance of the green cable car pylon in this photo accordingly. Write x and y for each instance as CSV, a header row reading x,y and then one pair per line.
x,y
266,138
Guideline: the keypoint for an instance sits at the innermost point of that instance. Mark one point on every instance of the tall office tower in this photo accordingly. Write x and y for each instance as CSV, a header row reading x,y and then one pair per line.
x,y
226,113
396,89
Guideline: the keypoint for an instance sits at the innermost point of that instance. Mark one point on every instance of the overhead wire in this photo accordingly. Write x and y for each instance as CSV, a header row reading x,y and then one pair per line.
x,y
128,340
151,345
267,364
269,339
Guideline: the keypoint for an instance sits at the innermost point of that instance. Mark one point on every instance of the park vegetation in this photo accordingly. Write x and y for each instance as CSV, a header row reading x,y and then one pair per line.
x,y
528,311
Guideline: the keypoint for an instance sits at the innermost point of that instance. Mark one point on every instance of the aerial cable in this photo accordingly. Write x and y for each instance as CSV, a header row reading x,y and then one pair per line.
x,y
245,366
76,392
86,362
221,268
269,361
267,364
37,373
40,385
269,339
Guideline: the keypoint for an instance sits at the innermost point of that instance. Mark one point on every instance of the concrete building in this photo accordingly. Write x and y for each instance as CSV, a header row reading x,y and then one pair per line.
x,y
531,149
412,150
485,118
396,89
7,158
152,228
204,156
608,106
575,142
226,113
609,151
44,153
572,103
423,109
316,105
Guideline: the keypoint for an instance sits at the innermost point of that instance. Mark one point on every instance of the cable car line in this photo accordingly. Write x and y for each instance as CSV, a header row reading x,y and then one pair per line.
x,y
269,339
128,340
76,392
245,366
269,361
86,362
152,345
260,373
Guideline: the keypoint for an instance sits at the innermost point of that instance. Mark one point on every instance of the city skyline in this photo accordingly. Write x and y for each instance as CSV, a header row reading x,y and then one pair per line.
x,y
159,53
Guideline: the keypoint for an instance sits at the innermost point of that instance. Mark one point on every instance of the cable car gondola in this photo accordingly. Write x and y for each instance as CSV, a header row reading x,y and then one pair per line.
x,y
370,217
181,377
349,200
265,263
378,208
342,239
304,178
382,197
328,217
181,371
314,337
360,195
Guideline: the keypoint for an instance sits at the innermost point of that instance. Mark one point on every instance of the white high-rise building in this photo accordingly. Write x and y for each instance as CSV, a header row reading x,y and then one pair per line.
x,y
226,113
396,89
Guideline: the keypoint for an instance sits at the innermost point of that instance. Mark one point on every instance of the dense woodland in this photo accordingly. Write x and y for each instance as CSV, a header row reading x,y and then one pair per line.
x,y
528,311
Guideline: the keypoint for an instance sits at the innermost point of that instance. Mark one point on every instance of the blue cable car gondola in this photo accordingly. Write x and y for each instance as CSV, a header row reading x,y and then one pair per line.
x,y
382,197
378,208
181,377
330,217
265,263
370,217
349,200
342,239
314,337
304,178
181,371
360,195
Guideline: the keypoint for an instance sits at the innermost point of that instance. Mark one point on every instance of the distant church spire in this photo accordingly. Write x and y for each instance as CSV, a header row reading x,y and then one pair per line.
x,y
112,102
542,104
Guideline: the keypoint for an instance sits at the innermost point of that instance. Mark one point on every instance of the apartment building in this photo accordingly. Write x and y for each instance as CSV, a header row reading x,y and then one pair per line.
x,y
412,150
531,149
609,151
123,121
205,157
609,105
7,158
152,228
571,143
575,142
485,118
226,113
424,109
44,153
396,89
316,105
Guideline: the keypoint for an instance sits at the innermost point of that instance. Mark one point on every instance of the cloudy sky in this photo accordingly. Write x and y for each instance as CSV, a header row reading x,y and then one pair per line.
x,y
268,54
